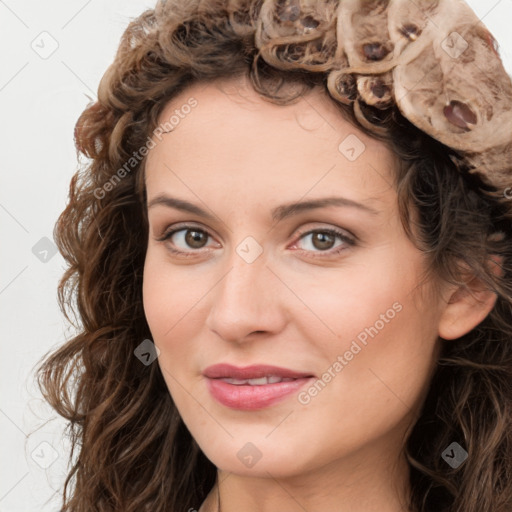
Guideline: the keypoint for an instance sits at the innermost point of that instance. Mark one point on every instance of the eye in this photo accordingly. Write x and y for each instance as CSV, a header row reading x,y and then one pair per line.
x,y
323,240
185,238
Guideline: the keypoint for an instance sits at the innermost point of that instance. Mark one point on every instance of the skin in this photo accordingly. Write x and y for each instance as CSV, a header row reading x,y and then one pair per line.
x,y
297,305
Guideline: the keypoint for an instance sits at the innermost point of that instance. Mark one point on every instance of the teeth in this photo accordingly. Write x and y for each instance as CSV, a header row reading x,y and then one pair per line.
x,y
258,382
235,381
271,379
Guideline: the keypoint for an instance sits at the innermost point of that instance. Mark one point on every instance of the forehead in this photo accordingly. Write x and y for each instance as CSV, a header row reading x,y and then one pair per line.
x,y
222,136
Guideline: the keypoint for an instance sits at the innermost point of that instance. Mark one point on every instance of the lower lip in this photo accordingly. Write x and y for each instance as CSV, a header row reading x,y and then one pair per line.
x,y
250,398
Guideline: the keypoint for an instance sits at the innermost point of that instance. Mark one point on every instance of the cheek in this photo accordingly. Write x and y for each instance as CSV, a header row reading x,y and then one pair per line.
x,y
157,303
163,307
168,294
345,303
379,347
173,299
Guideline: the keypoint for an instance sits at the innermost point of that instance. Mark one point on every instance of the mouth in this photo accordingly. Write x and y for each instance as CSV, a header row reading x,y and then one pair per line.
x,y
253,373
261,381
253,387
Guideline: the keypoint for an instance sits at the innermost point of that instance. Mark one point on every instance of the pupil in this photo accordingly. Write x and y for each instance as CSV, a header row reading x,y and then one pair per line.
x,y
194,237
322,237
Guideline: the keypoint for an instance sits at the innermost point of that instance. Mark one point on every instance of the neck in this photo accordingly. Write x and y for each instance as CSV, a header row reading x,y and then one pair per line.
x,y
355,484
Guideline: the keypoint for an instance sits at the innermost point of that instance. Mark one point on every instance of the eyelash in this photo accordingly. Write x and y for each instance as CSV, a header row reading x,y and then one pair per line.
x,y
330,252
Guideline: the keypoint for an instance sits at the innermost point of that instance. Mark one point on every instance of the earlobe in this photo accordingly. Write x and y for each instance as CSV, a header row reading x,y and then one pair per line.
x,y
468,305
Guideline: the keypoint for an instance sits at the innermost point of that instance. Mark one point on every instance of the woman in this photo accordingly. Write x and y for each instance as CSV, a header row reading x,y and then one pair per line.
x,y
291,259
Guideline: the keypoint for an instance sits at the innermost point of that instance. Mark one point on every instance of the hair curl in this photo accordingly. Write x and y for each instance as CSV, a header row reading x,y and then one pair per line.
x,y
131,451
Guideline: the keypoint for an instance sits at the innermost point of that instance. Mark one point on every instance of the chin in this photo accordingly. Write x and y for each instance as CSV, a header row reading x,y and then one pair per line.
x,y
257,459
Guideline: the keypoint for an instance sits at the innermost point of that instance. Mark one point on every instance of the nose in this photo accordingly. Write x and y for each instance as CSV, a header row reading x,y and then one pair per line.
x,y
247,300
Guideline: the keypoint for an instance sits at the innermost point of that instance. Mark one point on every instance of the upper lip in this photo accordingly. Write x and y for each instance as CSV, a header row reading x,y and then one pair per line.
x,y
223,370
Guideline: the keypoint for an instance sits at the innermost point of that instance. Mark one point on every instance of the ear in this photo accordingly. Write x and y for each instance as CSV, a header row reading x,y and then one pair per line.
x,y
469,304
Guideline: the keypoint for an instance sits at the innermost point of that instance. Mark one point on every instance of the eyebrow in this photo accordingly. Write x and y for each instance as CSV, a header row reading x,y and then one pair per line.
x,y
278,213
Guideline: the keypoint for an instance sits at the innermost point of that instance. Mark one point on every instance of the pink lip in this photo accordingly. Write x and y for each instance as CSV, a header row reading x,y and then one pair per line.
x,y
219,371
247,397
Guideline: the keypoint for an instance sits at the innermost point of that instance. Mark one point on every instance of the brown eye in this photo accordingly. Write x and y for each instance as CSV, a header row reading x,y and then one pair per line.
x,y
322,240
185,239
195,239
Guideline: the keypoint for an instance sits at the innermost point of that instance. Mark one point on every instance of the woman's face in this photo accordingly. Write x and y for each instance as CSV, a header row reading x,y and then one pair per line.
x,y
330,291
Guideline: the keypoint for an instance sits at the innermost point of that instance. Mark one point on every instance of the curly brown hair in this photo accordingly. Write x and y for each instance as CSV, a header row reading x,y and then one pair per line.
x,y
130,449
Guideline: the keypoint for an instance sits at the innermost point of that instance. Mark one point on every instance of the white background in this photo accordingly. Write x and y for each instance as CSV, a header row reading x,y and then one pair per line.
x,y
40,101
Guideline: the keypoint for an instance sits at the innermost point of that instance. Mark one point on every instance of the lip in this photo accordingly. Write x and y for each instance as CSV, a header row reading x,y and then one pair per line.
x,y
247,397
255,371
